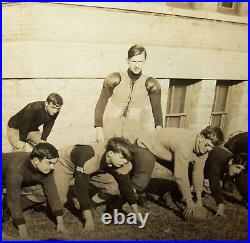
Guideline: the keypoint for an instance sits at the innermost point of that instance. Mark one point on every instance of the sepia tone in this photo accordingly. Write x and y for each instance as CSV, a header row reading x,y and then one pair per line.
x,y
198,52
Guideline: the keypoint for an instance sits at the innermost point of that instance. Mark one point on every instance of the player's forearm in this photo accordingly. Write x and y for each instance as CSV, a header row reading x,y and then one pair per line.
x,y
155,100
184,187
216,190
135,208
82,189
59,219
125,188
198,187
101,105
88,215
22,230
46,131
23,134
15,205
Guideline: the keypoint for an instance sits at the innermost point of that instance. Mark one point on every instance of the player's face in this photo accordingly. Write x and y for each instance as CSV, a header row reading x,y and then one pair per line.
x,y
51,108
45,165
136,63
117,159
235,169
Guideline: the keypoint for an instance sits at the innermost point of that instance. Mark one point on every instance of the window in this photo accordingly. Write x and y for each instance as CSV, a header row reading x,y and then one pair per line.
x,y
177,93
228,7
221,97
180,4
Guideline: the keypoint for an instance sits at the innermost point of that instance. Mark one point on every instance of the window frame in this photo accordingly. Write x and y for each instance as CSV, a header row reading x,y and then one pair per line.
x,y
182,5
222,114
232,10
181,115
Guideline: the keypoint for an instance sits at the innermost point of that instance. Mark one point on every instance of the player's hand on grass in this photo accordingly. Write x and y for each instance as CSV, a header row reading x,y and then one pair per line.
x,y
136,211
23,233
61,228
220,211
89,226
89,223
189,210
60,225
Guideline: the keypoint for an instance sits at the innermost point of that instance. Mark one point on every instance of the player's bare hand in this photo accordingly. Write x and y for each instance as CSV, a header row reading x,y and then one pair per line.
x,y
99,135
220,211
89,226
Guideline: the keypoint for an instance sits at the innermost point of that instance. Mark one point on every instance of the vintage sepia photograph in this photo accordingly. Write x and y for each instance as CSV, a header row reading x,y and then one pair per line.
x,y
124,121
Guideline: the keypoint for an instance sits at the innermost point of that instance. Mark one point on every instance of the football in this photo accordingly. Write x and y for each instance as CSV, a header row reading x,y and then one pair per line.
x,y
201,213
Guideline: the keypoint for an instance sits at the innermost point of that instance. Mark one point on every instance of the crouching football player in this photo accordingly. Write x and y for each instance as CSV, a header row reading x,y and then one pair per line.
x,y
228,162
88,163
23,169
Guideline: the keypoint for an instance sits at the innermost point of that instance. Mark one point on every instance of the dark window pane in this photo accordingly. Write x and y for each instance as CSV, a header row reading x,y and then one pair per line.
x,y
216,120
221,98
169,99
228,7
178,99
226,4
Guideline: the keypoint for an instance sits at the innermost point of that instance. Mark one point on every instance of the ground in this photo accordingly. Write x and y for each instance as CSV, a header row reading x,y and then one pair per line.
x,y
163,223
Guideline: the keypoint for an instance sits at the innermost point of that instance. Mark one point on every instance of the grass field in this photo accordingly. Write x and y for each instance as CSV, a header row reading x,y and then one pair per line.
x,y
162,224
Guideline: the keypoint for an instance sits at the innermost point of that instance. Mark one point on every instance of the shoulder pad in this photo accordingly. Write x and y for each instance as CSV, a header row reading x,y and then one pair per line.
x,y
112,80
152,86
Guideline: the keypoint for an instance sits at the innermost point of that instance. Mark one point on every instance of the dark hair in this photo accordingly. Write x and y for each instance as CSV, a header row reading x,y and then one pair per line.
x,y
120,145
240,159
44,150
136,50
55,99
214,134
